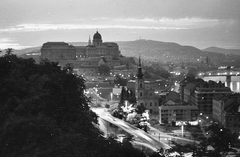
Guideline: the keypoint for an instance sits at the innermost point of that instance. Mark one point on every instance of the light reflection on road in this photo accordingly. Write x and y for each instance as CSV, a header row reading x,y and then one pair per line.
x,y
140,134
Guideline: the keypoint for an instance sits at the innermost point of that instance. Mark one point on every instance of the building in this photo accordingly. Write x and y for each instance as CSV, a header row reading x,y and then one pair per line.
x,y
156,85
169,95
145,94
226,110
56,51
200,93
80,51
98,48
85,58
203,96
177,111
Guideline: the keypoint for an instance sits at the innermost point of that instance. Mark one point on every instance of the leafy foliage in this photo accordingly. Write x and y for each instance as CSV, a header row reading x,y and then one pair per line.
x,y
218,139
154,73
119,81
104,69
44,112
140,109
127,95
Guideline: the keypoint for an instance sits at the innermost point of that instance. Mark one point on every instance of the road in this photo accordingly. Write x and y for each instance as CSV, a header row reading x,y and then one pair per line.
x,y
147,140
164,135
93,93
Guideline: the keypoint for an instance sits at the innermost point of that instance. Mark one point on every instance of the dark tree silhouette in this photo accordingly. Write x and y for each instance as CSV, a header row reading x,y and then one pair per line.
x,y
44,112
140,109
119,81
104,69
9,51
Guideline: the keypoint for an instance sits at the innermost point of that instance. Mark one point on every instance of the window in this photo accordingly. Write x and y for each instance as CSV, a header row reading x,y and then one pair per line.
x,y
140,85
150,104
140,93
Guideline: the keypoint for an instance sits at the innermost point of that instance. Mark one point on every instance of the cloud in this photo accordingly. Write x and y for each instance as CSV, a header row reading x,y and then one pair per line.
x,y
127,23
10,43
6,40
45,27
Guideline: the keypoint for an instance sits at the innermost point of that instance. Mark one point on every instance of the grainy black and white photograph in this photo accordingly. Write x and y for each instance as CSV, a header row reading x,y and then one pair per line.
x,y
120,78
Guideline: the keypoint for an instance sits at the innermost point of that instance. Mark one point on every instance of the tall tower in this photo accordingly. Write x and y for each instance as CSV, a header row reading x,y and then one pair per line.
x,y
89,41
140,85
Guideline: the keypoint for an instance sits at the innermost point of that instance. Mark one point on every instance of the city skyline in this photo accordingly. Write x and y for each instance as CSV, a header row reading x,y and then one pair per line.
x,y
199,23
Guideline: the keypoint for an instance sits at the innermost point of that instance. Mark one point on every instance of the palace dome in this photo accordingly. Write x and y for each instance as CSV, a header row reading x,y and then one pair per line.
x,y
97,36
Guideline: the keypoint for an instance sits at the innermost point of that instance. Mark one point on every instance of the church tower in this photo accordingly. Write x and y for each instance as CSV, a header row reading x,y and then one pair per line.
x,y
140,85
89,41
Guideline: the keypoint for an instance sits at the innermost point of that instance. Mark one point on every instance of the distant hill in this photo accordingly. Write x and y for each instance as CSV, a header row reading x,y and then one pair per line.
x,y
162,52
169,52
221,50
27,50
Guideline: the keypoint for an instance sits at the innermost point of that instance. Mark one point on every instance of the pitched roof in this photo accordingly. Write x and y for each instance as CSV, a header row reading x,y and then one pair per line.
x,y
232,103
190,86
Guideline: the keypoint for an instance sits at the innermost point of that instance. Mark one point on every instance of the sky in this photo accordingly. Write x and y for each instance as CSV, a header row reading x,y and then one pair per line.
x,y
199,23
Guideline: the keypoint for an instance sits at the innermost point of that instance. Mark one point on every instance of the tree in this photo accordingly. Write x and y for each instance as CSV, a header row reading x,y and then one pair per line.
x,y
104,69
119,81
140,109
132,98
9,51
192,73
219,138
123,95
68,68
44,112
147,75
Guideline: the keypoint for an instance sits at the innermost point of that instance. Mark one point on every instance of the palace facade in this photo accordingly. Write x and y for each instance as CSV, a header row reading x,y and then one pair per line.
x,y
57,51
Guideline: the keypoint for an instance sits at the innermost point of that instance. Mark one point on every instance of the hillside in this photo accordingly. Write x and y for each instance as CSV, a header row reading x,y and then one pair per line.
x,y
163,52
170,52
221,50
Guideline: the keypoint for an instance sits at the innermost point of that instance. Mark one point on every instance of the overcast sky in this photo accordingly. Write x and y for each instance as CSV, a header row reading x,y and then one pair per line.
x,y
199,23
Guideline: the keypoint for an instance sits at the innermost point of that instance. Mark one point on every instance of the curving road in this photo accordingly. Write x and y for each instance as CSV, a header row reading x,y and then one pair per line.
x,y
147,140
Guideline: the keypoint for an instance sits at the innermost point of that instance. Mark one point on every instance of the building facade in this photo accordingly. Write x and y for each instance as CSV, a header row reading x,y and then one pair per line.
x,y
145,95
226,110
56,51
201,93
203,97
98,48
86,58
177,111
